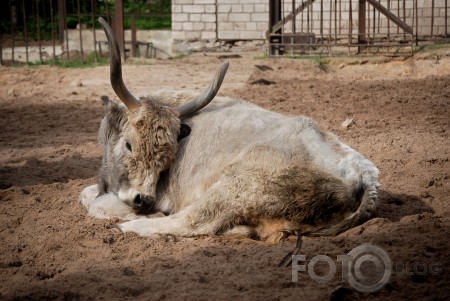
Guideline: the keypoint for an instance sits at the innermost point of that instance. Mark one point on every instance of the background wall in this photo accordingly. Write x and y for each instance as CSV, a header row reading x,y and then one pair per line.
x,y
248,19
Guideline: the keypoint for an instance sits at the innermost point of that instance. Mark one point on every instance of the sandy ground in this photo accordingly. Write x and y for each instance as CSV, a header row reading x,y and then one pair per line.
x,y
50,249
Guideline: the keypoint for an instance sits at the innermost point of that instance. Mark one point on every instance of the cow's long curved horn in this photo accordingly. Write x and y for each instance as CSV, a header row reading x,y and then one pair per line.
x,y
116,70
204,99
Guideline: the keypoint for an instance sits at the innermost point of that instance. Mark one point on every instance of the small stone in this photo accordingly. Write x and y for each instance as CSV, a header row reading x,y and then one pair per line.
x,y
347,122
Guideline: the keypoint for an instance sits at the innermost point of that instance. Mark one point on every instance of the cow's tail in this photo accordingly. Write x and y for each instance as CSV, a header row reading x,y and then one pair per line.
x,y
368,196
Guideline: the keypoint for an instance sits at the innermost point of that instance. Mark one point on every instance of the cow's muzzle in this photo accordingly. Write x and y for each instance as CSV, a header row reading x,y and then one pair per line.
x,y
143,204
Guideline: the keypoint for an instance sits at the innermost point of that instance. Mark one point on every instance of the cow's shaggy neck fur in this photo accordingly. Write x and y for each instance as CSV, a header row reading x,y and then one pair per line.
x,y
138,146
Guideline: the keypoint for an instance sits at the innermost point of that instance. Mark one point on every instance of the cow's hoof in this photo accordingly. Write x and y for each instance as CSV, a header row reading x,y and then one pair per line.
x,y
168,237
117,226
88,195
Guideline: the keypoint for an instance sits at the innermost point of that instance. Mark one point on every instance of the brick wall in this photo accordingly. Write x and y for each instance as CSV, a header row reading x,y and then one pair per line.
x,y
219,19
248,19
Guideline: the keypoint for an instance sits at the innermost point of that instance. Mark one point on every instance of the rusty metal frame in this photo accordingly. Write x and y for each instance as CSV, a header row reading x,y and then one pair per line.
x,y
395,37
56,14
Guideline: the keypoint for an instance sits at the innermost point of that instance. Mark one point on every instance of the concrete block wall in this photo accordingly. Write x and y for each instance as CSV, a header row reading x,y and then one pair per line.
x,y
219,19
194,19
211,20
242,19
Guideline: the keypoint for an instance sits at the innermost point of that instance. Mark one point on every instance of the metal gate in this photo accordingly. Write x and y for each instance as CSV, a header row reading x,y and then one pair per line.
x,y
354,26
38,30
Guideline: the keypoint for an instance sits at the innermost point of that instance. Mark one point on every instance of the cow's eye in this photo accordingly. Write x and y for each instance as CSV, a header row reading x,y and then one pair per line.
x,y
128,146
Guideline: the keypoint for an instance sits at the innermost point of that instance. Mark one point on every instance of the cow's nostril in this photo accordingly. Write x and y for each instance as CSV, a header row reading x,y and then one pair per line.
x,y
137,201
143,204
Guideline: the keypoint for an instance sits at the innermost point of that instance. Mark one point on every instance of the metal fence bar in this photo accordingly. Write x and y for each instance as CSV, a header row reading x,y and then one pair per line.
x,y
118,27
379,20
374,15
1,47
361,23
81,30
12,30
294,20
25,33
308,30
93,10
331,16
65,29
335,20
388,20
350,17
368,22
432,16
38,24
340,16
61,20
321,20
404,17
446,19
417,22
303,20
53,31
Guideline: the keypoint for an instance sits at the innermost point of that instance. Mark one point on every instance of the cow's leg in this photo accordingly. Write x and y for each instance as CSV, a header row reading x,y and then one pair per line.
x,y
176,224
88,195
212,215
193,222
207,216
106,205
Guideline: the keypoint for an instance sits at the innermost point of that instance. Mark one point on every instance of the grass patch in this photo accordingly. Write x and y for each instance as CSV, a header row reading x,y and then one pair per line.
x,y
90,61
322,61
262,56
432,48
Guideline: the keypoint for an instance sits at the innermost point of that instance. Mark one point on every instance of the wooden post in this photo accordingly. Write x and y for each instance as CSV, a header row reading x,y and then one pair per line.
x,y
274,18
134,44
61,20
432,18
25,33
118,27
417,22
293,19
361,24
350,23
80,30
274,14
446,31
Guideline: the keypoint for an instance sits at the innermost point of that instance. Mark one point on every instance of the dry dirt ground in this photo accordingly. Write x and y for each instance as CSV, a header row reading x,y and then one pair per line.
x,y
50,249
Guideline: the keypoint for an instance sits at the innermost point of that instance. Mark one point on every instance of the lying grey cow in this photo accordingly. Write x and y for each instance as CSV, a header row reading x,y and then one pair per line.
x,y
231,168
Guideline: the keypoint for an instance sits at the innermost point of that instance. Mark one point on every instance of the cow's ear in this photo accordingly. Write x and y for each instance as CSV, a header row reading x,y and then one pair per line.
x,y
105,100
109,105
185,130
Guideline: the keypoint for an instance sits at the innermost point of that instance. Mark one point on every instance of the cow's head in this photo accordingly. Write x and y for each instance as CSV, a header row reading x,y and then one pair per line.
x,y
140,138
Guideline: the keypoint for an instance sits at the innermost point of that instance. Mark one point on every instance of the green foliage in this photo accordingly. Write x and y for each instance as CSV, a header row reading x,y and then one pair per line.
x,y
147,7
32,26
149,15
150,23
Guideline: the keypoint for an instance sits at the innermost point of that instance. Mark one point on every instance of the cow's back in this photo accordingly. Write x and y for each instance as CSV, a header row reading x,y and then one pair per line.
x,y
242,139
